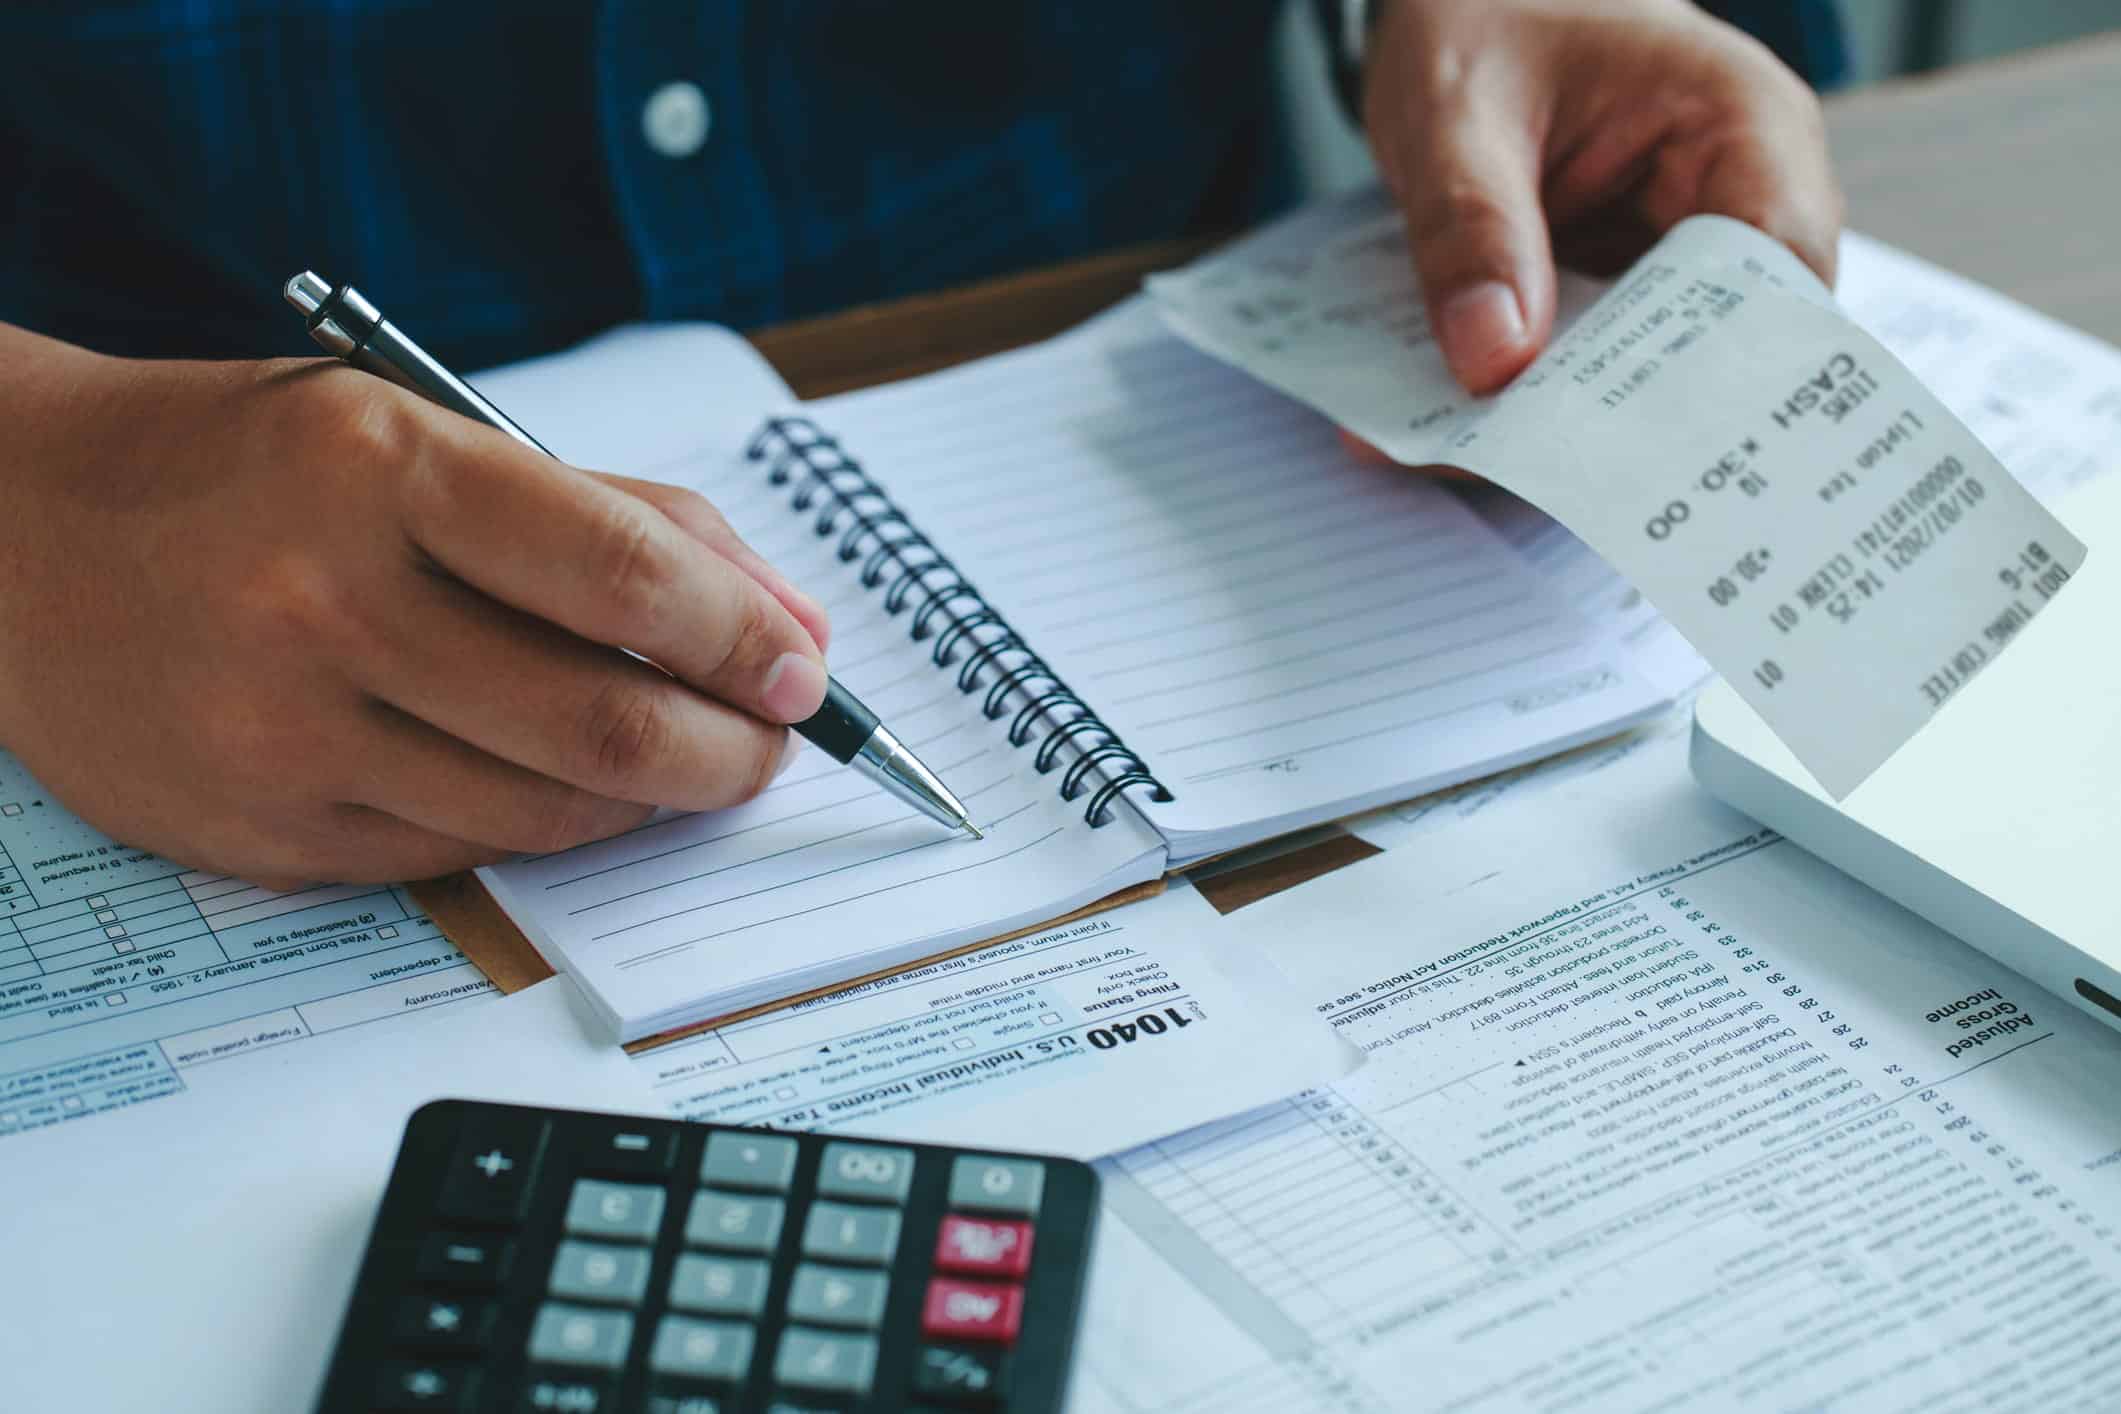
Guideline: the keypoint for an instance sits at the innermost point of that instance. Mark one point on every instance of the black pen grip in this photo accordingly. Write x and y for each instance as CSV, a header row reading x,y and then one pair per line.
x,y
840,725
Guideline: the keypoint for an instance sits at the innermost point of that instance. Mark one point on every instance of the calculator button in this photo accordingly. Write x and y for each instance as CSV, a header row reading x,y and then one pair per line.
x,y
866,1171
628,1151
734,1224
494,1170
567,1394
720,1286
968,1310
688,1401
837,1296
592,1271
961,1375
580,1335
983,1246
414,1384
825,1360
464,1259
701,1350
764,1163
444,1322
996,1185
630,1212
848,1234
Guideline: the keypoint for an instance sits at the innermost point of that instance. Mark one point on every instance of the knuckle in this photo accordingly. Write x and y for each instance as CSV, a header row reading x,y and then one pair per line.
x,y
365,424
1456,209
290,602
761,763
635,568
748,627
574,817
627,732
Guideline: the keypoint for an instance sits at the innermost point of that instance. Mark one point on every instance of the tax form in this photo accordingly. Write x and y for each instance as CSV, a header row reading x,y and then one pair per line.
x,y
1082,1040
196,1256
1660,1112
1813,520
122,972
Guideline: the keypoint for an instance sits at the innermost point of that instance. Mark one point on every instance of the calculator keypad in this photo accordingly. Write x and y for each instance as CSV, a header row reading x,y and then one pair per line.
x,y
733,1159
578,1264
729,1222
595,1271
627,1212
723,1286
840,1232
837,1296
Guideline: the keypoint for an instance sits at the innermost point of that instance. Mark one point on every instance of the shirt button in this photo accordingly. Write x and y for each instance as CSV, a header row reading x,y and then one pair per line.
x,y
675,119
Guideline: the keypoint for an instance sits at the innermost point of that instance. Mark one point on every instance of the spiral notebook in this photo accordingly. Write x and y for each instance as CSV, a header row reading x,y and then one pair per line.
x,y
1135,609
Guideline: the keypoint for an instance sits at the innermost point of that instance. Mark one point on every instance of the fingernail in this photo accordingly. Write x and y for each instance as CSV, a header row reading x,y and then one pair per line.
x,y
1480,325
794,688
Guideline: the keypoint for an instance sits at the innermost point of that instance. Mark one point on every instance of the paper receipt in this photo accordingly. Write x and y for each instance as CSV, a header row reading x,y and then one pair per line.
x,y
1838,545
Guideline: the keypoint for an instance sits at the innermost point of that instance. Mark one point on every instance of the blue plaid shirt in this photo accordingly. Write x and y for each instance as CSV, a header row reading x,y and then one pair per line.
x,y
514,174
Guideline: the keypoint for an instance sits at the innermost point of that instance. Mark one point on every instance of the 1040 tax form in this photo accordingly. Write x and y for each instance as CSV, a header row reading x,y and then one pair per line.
x,y
1683,1120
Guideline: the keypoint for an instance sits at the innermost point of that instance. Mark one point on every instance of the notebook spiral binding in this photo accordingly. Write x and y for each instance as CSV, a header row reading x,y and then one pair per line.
x,y
948,608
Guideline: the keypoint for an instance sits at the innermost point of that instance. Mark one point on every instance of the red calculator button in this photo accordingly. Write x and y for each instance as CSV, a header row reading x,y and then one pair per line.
x,y
983,1246
972,1310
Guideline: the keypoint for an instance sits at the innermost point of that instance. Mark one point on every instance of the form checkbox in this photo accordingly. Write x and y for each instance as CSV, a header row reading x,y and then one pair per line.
x,y
106,916
98,901
386,931
9,1119
115,999
116,930
72,1102
1050,1018
786,1092
121,946
963,1043
10,809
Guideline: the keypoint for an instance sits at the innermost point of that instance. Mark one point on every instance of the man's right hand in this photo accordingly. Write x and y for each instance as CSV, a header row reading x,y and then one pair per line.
x,y
290,622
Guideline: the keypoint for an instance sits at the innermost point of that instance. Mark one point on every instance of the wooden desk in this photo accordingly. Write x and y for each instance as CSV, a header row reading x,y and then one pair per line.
x,y
2007,172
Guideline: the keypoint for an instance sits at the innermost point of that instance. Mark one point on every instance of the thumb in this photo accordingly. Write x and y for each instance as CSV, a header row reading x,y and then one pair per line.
x,y
1470,190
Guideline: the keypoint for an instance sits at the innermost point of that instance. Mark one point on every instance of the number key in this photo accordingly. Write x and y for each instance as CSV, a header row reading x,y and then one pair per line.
x,y
734,1224
629,1212
865,1171
843,1233
995,1185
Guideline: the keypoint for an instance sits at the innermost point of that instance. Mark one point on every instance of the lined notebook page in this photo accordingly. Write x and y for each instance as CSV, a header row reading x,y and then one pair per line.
x,y
824,877
1283,634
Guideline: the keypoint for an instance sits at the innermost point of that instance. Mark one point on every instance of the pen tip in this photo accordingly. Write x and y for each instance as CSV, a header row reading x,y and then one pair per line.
x,y
973,830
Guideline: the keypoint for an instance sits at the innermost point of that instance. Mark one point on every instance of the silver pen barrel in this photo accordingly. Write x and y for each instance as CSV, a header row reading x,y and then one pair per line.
x,y
883,759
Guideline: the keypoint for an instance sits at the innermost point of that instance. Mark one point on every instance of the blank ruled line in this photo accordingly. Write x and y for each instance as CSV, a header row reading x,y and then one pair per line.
x,y
1337,584
763,858
634,860
1336,571
1283,754
626,962
1397,629
1372,671
1340,585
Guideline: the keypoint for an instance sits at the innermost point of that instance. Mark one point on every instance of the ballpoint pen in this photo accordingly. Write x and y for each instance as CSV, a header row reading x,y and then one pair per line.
x,y
347,326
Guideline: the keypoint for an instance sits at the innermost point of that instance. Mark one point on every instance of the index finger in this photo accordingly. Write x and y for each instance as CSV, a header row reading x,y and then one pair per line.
x,y
558,543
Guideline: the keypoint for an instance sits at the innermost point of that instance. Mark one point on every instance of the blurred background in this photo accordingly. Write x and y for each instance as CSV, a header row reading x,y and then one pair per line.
x,y
1887,39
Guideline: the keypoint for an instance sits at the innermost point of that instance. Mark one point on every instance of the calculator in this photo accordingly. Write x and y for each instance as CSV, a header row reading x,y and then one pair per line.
x,y
534,1261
